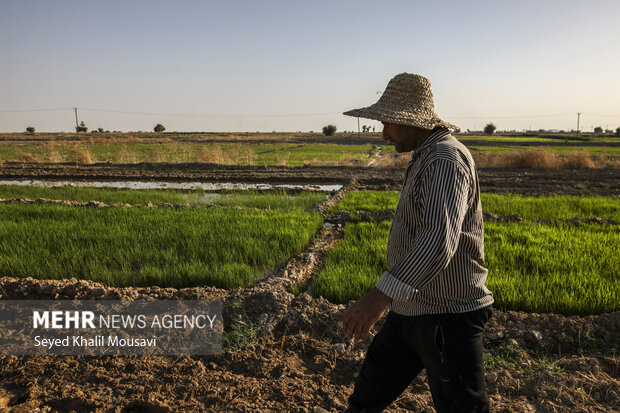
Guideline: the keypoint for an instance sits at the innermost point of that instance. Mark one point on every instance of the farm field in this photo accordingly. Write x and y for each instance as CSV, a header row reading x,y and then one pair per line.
x,y
550,346
166,247
271,199
541,138
537,268
247,153
528,207
257,149
558,150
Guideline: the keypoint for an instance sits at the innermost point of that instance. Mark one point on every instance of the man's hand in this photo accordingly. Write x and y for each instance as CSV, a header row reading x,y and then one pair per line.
x,y
364,313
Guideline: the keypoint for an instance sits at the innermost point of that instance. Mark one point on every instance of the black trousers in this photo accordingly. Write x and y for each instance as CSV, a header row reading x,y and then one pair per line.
x,y
448,346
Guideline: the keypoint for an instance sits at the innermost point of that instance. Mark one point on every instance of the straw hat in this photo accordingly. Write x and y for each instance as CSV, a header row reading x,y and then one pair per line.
x,y
407,100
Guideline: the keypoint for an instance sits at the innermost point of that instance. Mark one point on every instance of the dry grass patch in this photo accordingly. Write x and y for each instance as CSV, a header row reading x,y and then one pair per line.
x,y
157,155
51,153
83,155
27,157
537,159
528,158
108,139
234,155
126,156
211,155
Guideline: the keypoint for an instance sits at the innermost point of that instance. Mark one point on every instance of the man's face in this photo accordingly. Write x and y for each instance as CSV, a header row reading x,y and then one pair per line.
x,y
405,138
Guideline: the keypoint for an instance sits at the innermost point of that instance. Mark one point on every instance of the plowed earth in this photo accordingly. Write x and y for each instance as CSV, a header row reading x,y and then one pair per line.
x,y
493,180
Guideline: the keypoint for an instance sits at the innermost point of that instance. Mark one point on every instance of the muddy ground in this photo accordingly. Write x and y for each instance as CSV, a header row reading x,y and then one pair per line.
x,y
297,359
492,180
286,352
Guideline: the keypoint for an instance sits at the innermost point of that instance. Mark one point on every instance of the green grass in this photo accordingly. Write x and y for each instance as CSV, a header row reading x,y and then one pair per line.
x,y
295,155
354,265
529,207
532,267
127,246
290,154
541,138
547,268
274,199
552,207
558,150
514,139
367,201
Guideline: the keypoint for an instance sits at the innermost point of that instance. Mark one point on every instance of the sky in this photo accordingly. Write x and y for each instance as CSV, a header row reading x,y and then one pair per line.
x,y
288,66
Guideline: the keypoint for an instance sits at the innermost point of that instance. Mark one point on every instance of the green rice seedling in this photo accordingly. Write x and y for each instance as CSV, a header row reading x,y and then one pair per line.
x,y
528,207
225,248
563,269
533,267
272,199
367,201
552,207
354,265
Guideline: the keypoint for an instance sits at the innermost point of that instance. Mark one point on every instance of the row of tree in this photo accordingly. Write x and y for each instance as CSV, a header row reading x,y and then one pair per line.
x,y
328,130
82,128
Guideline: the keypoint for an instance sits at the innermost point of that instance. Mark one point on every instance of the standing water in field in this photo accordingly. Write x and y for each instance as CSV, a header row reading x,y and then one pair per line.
x,y
171,185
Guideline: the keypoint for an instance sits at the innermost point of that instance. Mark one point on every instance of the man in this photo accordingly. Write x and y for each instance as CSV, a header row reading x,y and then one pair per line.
x,y
435,256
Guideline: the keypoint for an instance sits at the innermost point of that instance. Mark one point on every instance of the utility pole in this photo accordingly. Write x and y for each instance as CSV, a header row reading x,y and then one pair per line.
x,y
578,115
76,119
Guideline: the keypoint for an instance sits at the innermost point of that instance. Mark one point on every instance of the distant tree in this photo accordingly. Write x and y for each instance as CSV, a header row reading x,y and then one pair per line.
x,y
30,129
598,129
159,128
617,131
489,129
329,130
100,130
81,128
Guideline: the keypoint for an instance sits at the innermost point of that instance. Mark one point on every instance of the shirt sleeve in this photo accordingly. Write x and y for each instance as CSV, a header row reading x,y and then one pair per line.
x,y
446,185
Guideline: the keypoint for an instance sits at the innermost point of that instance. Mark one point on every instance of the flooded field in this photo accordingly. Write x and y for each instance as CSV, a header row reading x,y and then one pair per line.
x,y
170,185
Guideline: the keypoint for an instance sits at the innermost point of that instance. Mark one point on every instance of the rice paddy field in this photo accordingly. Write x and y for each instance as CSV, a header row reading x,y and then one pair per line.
x,y
533,266
167,247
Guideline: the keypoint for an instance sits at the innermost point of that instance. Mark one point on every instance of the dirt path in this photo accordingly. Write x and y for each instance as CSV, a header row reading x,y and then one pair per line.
x,y
541,362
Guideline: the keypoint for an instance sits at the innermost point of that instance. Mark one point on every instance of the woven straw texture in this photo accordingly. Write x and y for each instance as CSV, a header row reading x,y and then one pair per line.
x,y
407,100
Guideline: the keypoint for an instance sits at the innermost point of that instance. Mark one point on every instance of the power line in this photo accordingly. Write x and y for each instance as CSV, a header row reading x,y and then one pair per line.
x,y
209,116
604,116
123,112
34,110
509,117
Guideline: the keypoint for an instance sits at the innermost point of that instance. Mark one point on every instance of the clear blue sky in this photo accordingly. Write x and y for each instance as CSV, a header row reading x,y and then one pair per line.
x,y
296,66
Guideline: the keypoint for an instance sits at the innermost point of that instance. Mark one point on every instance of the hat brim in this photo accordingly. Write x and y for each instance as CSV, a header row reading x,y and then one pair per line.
x,y
421,119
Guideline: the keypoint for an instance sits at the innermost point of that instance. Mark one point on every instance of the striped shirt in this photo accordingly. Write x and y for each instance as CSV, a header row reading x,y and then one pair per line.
x,y
435,252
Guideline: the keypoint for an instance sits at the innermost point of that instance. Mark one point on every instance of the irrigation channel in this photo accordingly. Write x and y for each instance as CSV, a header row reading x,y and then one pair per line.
x,y
205,186
294,356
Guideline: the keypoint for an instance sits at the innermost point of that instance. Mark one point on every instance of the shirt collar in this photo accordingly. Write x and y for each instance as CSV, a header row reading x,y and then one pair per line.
x,y
432,139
